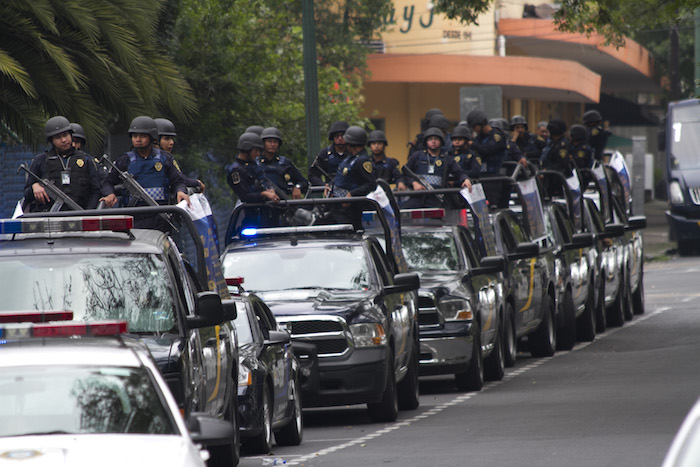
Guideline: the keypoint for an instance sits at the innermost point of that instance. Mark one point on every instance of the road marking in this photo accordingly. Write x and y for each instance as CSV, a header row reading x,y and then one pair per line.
x,y
465,397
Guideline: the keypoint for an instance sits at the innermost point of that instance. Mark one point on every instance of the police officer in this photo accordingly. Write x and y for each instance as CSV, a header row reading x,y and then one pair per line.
x,y
441,122
386,168
326,164
435,168
490,143
557,154
69,168
245,176
278,169
468,161
257,129
581,152
597,135
526,141
513,152
80,143
152,168
166,142
418,144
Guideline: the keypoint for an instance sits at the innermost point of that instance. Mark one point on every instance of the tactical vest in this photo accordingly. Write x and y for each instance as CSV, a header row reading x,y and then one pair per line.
x,y
345,181
274,170
151,174
432,168
494,162
77,166
333,161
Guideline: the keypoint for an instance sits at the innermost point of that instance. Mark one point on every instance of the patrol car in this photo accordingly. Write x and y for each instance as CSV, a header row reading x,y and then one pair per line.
x,y
72,398
94,264
337,289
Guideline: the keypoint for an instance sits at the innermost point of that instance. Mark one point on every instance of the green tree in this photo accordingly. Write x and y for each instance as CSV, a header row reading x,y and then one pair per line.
x,y
93,61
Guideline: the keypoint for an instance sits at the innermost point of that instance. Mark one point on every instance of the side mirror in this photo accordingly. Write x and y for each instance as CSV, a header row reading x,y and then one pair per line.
x,y
278,337
210,311
612,230
208,430
580,240
405,282
230,311
637,223
490,265
524,251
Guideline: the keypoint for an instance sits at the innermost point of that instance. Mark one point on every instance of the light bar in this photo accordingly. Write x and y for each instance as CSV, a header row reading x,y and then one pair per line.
x,y
67,224
234,281
63,329
254,232
35,316
425,213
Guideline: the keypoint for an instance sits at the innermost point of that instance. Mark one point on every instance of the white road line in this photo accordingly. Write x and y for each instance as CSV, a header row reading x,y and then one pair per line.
x,y
298,459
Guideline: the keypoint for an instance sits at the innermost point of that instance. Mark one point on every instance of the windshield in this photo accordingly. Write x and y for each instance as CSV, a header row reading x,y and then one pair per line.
x,y
133,288
68,399
685,137
242,323
298,267
431,251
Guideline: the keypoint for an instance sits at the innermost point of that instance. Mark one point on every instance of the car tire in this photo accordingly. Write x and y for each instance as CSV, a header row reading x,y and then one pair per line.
x,y
543,342
262,443
566,333
494,364
510,340
387,409
586,323
627,304
616,312
638,297
601,315
228,454
473,378
293,432
686,247
408,391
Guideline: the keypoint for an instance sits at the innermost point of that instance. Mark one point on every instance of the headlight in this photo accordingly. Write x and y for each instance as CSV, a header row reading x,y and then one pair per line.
x,y
675,193
245,376
456,309
368,334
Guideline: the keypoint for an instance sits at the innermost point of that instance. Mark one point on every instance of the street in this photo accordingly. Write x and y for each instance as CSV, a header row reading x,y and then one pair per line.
x,y
617,401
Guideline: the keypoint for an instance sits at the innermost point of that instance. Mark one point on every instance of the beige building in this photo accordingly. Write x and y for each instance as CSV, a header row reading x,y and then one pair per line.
x,y
424,60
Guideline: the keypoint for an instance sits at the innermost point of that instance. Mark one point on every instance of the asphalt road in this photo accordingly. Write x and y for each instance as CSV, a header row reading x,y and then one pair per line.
x,y
615,402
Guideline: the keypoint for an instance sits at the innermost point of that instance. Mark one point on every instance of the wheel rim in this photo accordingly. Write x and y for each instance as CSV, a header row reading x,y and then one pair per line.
x,y
267,423
297,407
511,338
550,326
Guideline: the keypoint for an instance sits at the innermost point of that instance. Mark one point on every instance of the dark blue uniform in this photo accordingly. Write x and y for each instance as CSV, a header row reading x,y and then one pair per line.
x,y
513,152
557,155
283,173
468,161
530,146
598,139
492,149
245,179
354,176
328,160
583,155
435,170
386,168
74,173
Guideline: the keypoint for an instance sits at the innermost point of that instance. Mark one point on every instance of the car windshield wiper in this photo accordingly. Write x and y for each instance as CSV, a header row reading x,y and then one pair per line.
x,y
41,433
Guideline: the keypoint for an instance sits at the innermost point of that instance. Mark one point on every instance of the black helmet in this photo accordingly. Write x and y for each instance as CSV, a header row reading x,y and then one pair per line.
x,y
556,127
337,127
78,131
462,131
438,121
592,117
145,125
271,132
518,120
432,112
55,126
248,141
257,129
165,127
476,117
578,133
434,132
355,136
500,123
377,135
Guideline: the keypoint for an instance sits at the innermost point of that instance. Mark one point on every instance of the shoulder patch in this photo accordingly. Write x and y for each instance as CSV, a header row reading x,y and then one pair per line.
x,y
177,166
478,160
458,158
469,156
562,153
497,137
287,177
236,178
581,154
595,131
367,166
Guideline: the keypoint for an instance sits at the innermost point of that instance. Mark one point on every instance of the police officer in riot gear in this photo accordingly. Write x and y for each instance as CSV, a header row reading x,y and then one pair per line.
x,y
328,159
278,169
513,152
557,154
80,143
166,142
386,168
597,135
581,152
257,129
69,168
441,122
468,161
418,143
245,176
490,143
152,168
526,141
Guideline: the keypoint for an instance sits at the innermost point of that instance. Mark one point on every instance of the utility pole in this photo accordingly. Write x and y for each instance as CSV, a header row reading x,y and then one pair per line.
x,y
313,136
673,67
697,53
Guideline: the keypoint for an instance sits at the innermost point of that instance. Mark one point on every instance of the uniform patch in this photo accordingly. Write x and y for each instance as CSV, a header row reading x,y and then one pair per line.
x,y
236,178
581,154
562,153
438,163
478,160
345,171
469,156
177,166
287,177
458,158
595,132
158,166
80,162
497,137
368,167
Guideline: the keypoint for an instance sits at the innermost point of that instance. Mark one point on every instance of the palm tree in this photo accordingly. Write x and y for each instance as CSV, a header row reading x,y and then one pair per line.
x,y
93,61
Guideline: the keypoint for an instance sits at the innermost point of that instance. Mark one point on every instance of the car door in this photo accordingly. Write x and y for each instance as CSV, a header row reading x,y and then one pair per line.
x,y
576,259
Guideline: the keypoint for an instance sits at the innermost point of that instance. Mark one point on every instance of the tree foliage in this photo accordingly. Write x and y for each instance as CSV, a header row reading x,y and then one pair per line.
x,y
93,61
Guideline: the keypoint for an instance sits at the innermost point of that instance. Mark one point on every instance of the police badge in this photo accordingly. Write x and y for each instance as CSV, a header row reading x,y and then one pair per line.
x,y
80,162
287,177
236,178
497,137
345,171
595,132
158,166
438,163
562,153
368,167
457,159
581,154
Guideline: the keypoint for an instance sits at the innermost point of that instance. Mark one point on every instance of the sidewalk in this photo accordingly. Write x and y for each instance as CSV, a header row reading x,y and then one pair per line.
x,y
657,246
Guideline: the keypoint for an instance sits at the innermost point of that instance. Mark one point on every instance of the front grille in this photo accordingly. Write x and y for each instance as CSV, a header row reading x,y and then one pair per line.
x,y
309,327
428,314
694,195
330,334
331,346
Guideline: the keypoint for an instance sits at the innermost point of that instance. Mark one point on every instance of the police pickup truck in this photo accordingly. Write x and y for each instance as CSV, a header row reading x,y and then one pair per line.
x,y
340,291
96,265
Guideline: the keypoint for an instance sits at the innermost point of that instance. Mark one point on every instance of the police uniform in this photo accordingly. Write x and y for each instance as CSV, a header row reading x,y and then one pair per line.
x,y
583,155
468,161
354,176
530,145
74,173
597,140
513,152
557,155
492,149
386,168
283,173
435,170
245,179
329,160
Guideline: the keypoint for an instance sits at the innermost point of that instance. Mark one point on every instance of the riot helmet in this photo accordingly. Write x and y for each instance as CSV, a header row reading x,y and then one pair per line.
x,y
476,117
55,126
591,117
518,120
145,125
578,133
434,132
78,132
556,127
337,127
355,136
165,127
500,123
432,112
257,129
462,131
248,141
271,132
438,121
377,135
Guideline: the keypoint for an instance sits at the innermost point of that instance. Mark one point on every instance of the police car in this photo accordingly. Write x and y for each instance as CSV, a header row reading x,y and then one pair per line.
x,y
95,265
92,399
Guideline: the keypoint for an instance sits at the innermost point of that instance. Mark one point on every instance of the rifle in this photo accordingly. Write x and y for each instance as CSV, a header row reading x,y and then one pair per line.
x,y
60,198
135,189
323,172
406,171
